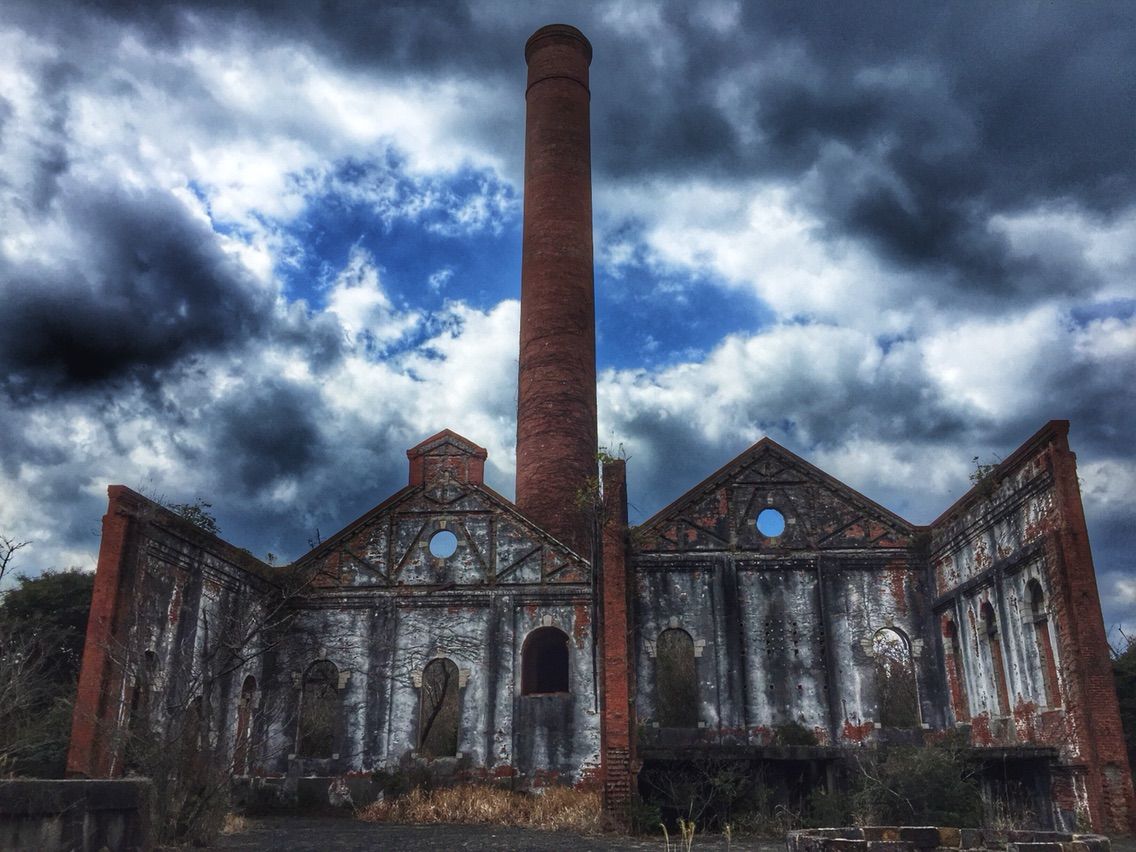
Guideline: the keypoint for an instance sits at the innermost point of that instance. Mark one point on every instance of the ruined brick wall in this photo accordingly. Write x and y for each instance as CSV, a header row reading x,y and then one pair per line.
x,y
167,598
1021,635
783,626
620,721
376,603
387,606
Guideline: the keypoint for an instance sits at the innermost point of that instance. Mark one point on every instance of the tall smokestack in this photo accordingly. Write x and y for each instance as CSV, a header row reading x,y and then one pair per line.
x,y
556,388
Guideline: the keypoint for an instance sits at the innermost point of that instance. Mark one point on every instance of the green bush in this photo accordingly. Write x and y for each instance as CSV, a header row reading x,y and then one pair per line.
x,y
827,810
928,785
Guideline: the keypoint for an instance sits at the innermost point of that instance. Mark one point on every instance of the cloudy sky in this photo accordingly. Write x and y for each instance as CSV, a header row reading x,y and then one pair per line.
x,y
252,252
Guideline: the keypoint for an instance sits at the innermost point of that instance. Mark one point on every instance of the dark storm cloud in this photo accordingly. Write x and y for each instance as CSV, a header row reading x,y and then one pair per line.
x,y
964,113
911,126
968,109
410,35
265,433
143,285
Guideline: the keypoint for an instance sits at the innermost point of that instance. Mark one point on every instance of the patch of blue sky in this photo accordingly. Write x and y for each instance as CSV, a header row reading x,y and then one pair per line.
x,y
1121,309
432,240
887,342
651,318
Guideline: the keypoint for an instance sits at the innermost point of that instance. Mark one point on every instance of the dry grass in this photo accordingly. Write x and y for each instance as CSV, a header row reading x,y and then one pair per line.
x,y
234,824
553,808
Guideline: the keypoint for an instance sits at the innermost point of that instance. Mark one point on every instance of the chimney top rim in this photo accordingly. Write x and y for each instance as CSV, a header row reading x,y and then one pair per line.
x,y
565,30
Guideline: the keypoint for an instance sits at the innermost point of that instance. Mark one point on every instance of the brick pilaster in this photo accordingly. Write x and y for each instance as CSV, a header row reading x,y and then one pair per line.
x,y
617,730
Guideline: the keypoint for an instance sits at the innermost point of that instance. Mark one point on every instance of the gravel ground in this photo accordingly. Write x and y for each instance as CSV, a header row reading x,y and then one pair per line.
x,y
343,834
338,834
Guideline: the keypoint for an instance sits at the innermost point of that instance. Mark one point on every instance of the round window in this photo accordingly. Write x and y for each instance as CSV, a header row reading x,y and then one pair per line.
x,y
770,523
443,544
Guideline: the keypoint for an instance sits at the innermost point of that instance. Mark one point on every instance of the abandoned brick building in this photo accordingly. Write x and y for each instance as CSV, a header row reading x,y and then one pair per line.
x,y
540,641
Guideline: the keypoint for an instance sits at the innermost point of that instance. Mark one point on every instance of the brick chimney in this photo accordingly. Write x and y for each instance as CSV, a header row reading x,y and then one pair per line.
x,y
556,389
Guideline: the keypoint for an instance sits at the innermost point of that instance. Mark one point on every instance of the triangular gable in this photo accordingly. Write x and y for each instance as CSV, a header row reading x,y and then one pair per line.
x,y
820,512
495,543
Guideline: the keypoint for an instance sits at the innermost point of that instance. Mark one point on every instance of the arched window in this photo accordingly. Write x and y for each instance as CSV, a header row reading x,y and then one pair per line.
x,y
439,710
676,680
544,662
956,678
319,710
242,751
1052,693
895,680
990,624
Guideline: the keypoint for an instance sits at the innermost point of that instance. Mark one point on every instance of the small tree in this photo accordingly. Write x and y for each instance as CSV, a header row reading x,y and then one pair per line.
x,y
198,514
42,626
8,548
895,680
1124,670
172,735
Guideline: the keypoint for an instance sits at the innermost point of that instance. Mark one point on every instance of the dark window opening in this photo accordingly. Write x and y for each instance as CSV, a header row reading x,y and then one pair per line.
x,y
676,680
319,710
438,723
544,662
895,680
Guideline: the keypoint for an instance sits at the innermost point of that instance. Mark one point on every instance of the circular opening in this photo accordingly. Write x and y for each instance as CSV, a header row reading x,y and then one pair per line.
x,y
770,523
443,544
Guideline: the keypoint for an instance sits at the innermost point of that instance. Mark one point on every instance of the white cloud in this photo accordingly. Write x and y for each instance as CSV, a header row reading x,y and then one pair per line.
x,y
359,301
1064,235
758,237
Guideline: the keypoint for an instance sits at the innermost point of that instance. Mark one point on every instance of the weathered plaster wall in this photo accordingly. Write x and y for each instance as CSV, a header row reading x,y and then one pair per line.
x,y
383,605
1026,677
782,626
380,642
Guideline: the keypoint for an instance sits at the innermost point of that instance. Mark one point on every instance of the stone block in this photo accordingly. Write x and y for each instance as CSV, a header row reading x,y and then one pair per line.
x,y
920,837
950,837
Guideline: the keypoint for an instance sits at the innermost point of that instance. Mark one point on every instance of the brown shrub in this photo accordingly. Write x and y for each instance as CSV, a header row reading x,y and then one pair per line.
x,y
551,809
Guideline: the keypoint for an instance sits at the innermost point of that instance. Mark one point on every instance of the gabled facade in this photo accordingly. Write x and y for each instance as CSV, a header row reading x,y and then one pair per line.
x,y
800,607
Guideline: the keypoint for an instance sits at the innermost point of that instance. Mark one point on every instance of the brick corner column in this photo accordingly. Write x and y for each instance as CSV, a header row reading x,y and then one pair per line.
x,y
1112,800
90,753
617,711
